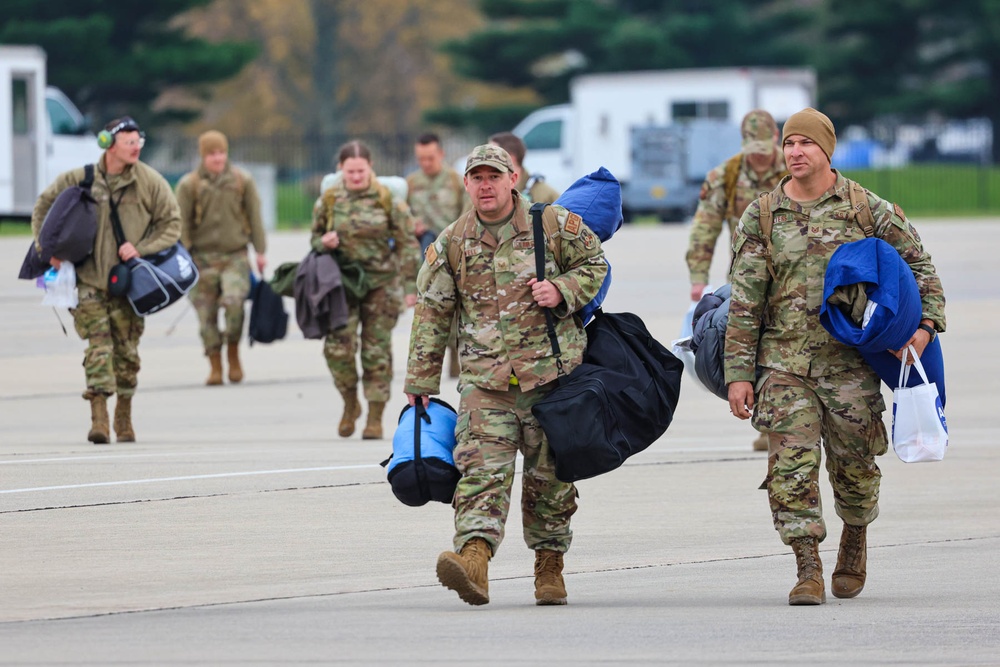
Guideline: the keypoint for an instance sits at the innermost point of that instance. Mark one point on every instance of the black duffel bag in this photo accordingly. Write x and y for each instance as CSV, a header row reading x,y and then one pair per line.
x,y
160,279
617,402
614,404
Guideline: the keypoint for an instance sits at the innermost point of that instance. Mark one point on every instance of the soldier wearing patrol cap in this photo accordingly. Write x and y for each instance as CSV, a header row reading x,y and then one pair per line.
x,y
483,268
727,191
814,390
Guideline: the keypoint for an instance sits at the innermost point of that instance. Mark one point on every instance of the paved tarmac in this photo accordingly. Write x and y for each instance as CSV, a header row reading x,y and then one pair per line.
x,y
240,529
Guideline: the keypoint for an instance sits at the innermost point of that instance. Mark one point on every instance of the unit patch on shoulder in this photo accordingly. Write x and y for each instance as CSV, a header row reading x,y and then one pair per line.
x,y
431,254
573,222
589,239
704,191
899,211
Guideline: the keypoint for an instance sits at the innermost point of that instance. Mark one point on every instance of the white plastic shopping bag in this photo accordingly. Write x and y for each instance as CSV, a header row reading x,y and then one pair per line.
x,y
919,429
60,287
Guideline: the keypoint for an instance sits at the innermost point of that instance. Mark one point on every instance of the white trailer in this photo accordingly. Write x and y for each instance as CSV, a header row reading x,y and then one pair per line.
x,y
567,141
42,133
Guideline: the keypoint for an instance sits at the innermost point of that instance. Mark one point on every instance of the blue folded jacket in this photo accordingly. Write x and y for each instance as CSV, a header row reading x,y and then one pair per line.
x,y
597,198
894,309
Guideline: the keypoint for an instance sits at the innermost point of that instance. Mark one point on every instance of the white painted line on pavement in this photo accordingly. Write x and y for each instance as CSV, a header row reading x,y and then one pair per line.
x,y
188,478
105,457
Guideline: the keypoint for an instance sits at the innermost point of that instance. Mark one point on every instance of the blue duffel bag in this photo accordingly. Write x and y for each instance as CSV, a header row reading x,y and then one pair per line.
x,y
422,466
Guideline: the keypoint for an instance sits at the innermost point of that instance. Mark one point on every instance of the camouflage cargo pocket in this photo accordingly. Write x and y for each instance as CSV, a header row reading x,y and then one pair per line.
x,y
876,437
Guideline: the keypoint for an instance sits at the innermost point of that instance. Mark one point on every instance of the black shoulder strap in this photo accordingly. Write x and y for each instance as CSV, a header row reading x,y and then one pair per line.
x,y
539,234
116,222
420,414
88,177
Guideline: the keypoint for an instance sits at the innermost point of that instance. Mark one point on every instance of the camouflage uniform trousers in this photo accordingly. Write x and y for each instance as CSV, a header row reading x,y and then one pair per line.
x,y
223,282
112,331
844,412
493,426
377,314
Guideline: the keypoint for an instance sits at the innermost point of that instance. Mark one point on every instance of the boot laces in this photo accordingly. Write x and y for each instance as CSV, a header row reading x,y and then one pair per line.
x,y
852,545
807,556
549,564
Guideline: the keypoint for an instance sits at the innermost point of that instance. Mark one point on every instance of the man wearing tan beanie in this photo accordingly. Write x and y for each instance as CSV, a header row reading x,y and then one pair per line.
x,y
220,214
802,387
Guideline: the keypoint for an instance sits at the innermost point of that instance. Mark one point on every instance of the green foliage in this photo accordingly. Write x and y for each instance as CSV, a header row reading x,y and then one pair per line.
x,y
543,44
925,190
487,120
115,57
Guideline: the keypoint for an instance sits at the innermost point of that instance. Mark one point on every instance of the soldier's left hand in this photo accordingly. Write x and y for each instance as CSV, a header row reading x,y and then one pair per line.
x,y
261,263
411,300
919,341
127,251
545,293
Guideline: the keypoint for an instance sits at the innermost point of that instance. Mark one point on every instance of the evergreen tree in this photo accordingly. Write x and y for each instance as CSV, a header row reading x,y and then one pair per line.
x,y
542,44
113,57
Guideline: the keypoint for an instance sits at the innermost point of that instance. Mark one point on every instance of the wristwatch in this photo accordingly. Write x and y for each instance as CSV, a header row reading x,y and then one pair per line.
x,y
929,329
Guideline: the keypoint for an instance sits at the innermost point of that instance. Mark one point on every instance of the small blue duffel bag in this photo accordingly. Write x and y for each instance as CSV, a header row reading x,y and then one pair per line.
x,y
422,466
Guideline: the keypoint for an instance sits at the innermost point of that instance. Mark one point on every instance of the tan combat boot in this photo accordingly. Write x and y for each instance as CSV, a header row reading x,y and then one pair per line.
x,y
852,561
99,429
466,572
809,588
373,429
215,375
352,410
549,585
760,444
233,357
123,419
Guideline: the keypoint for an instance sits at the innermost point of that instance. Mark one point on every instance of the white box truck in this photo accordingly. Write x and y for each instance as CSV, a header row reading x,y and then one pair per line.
x,y
567,141
42,133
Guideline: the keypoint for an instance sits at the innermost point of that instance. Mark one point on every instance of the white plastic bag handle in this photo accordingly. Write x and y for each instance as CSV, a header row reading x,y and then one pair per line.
x,y
904,370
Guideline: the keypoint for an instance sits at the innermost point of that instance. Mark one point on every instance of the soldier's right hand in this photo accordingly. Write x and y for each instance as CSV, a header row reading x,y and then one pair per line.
x,y
56,263
330,240
741,399
412,399
697,289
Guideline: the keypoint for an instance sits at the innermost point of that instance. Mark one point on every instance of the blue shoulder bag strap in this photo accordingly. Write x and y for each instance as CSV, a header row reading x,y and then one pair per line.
x,y
539,234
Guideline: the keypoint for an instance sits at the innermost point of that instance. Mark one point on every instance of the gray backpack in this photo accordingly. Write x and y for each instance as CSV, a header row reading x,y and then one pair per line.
x,y
68,231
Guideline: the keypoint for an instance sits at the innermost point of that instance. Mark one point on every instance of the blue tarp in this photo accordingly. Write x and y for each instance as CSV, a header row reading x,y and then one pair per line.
x,y
890,285
597,198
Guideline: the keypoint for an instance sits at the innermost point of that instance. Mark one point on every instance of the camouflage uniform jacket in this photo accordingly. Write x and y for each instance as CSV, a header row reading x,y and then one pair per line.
x,y
792,339
374,230
148,210
437,200
540,192
501,329
712,210
229,211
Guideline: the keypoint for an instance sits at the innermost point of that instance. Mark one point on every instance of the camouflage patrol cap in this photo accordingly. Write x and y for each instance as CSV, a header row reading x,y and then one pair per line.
x,y
758,129
491,156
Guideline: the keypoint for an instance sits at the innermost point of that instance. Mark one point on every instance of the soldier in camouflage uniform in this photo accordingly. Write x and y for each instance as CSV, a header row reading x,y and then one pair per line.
x,y
533,188
483,268
436,195
358,218
220,214
727,191
812,389
150,222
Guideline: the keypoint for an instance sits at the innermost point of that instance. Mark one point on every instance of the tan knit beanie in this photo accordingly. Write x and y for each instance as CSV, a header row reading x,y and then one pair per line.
x,y
814,125
212,140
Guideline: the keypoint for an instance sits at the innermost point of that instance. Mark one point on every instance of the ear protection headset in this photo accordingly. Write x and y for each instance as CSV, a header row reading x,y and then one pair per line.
x,y
106,138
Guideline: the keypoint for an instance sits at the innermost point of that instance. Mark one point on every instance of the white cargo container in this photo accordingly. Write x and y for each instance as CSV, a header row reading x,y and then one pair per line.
x,y
567,141
42,133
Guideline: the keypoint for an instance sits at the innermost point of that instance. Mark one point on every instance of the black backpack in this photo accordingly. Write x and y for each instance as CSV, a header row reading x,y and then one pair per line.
x,y
268,318
68,231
